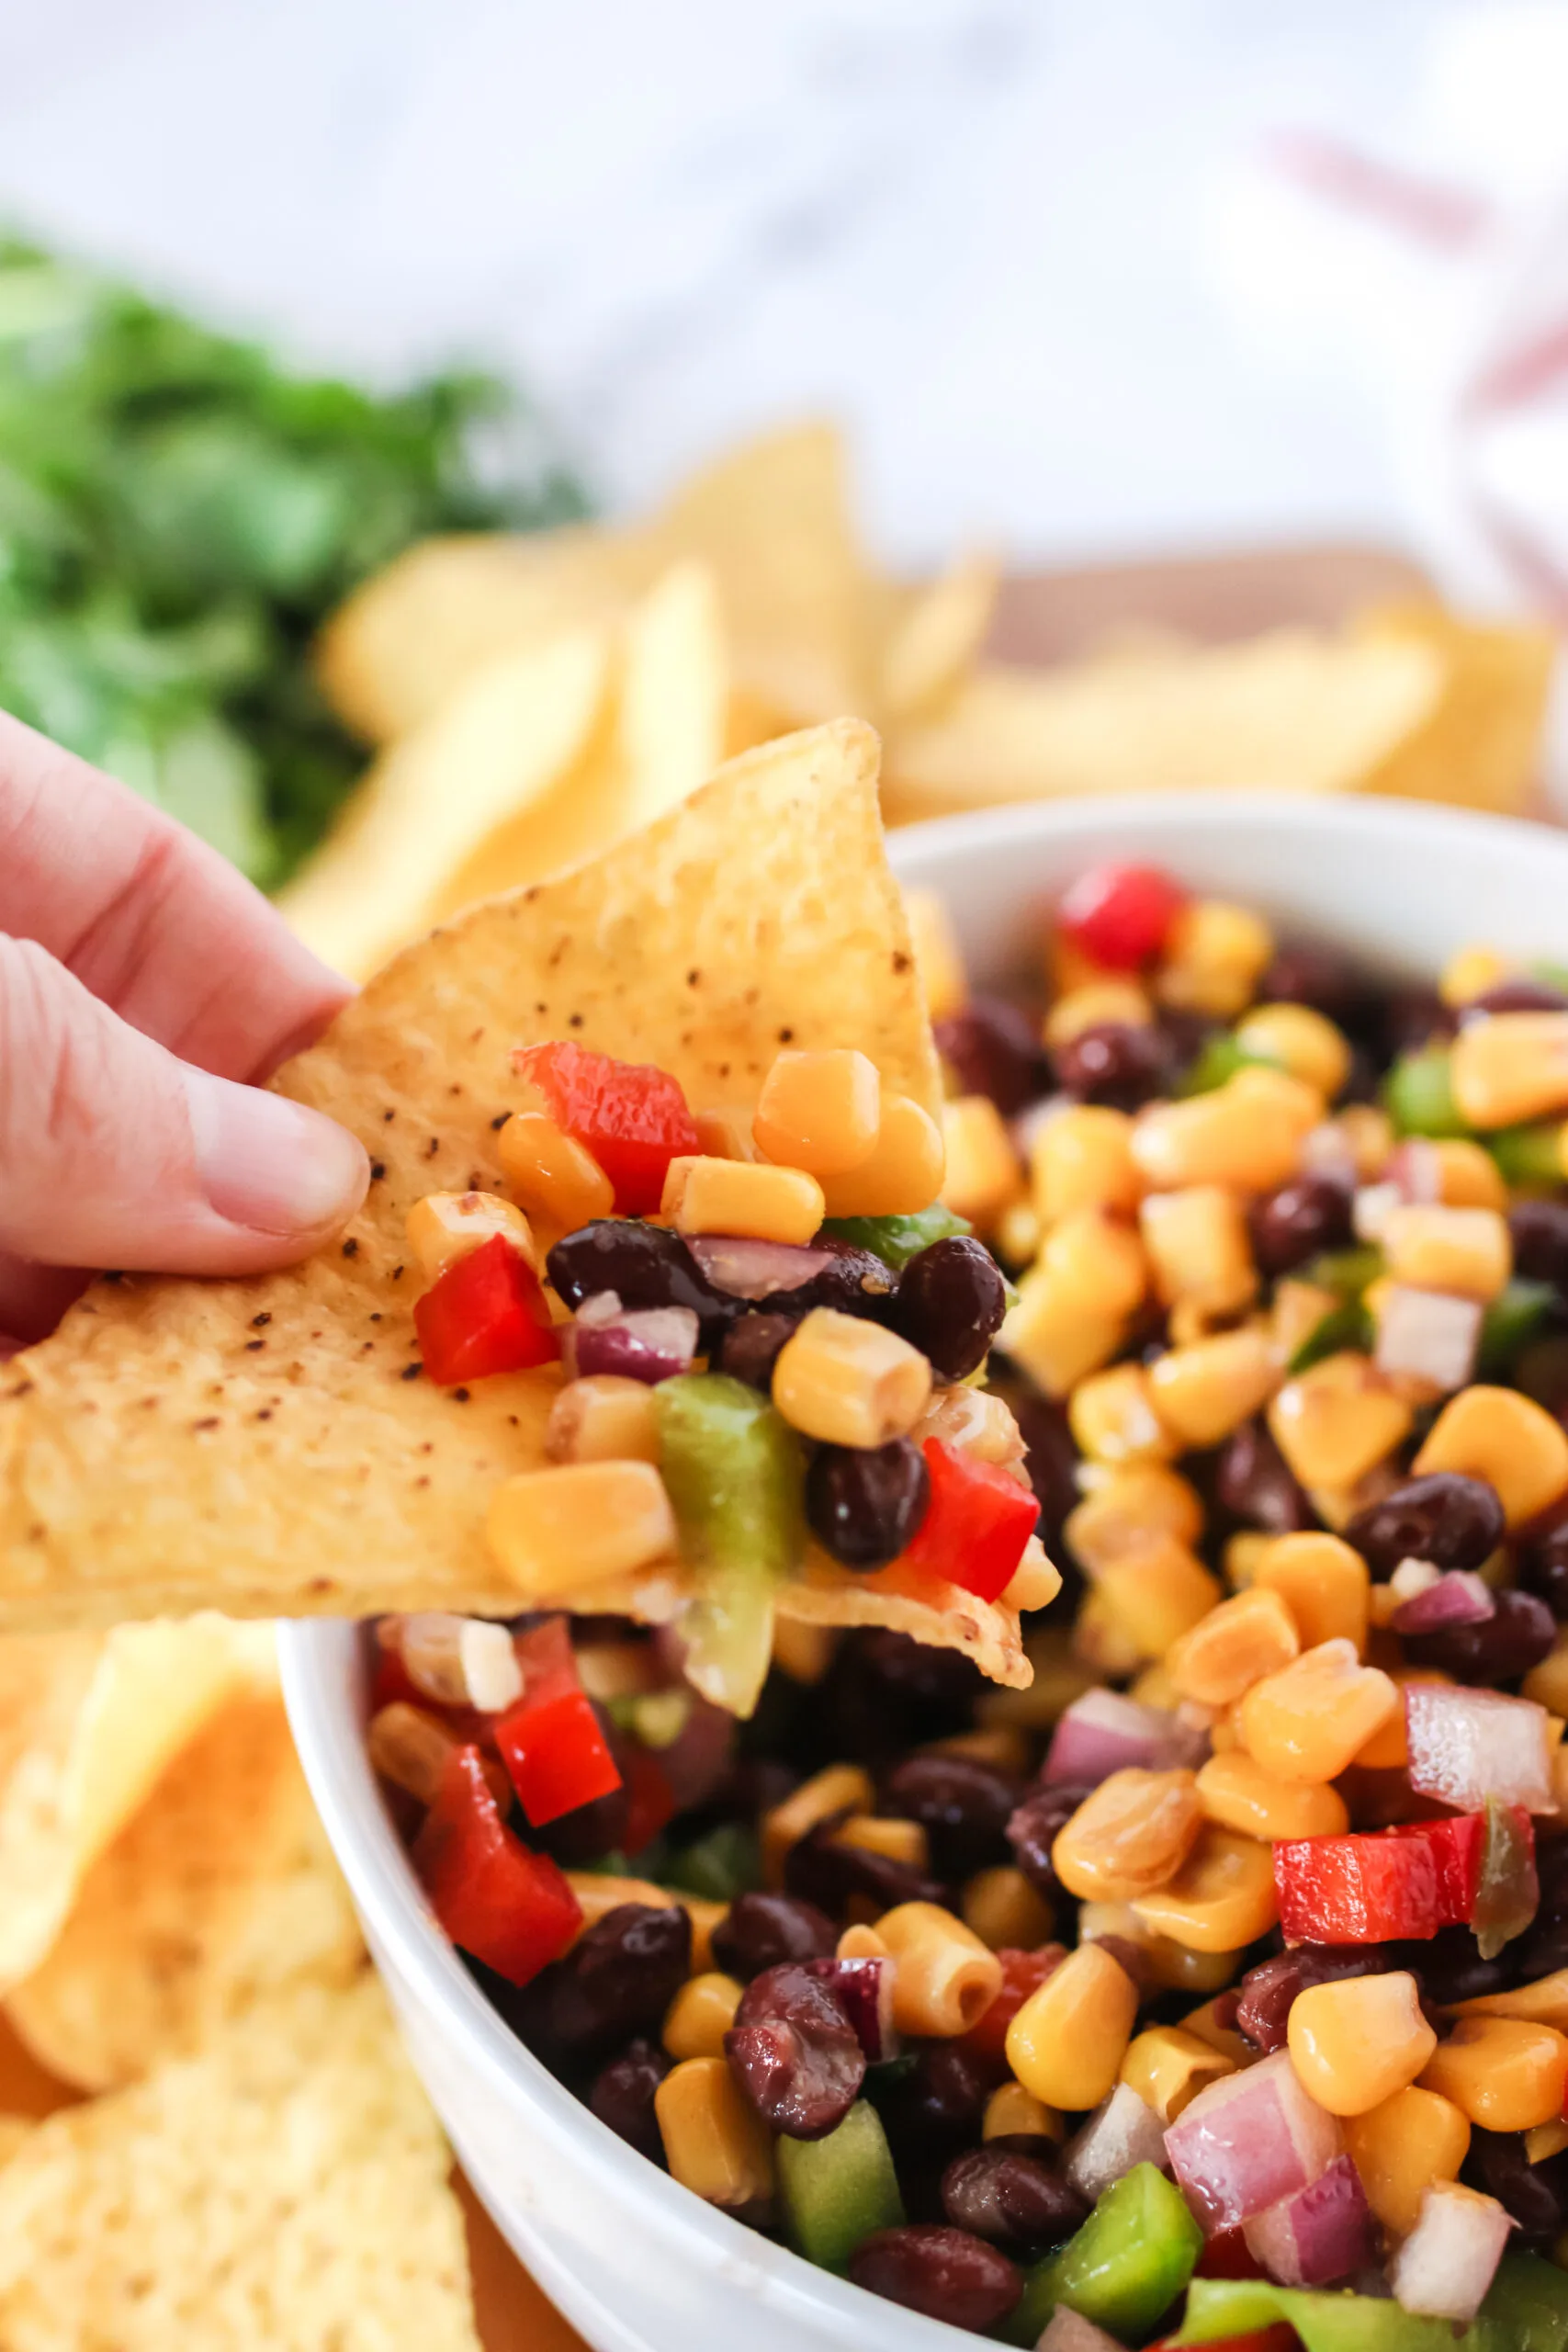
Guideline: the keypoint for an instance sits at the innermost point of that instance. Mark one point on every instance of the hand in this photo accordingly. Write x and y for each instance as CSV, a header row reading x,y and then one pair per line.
x,y
145,991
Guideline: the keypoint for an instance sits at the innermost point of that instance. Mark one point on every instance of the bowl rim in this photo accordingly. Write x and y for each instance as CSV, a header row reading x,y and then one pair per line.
x,y
330,1738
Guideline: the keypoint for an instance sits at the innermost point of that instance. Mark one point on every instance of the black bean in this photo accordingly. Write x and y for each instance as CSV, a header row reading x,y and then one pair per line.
x,y
1308,1214
1120,1063
1317,976
1544,1567
1267,1992
934,2108
864,1503
759,1931
1514,996
946,2274
621,2097
822,1871
1411,1018
795,2052
644,1265
1540,1232
1050,1456
950,1303
1454,1522
1033,1829
993,1048
1500,1648
886,1693
964,1808
1012,2200
1536,2195
751,1346
1255,1483
1452,1969
620,1977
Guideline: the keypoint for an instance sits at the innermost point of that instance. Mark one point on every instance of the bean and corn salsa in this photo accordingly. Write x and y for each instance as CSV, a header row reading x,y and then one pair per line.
x,y
1215,1986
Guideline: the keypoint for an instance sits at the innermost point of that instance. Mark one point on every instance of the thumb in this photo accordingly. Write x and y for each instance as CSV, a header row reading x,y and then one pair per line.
x,y
114,1153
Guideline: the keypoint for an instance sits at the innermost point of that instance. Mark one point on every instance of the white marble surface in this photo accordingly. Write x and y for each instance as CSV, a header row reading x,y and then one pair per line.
x,y
984,232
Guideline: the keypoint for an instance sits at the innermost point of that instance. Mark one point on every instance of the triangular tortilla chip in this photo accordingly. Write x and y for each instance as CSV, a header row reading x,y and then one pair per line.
x,y
271,1446
287,2189
221,1890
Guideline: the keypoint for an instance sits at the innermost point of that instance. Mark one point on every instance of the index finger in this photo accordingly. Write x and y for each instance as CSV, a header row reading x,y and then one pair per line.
x,y
149,917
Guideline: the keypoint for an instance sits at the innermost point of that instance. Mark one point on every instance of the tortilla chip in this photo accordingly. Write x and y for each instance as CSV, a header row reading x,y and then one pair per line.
x,y
285,2190
942,1616
13,2130
269,1445
1482,746
937,637
1293,711
221,1890
87,1724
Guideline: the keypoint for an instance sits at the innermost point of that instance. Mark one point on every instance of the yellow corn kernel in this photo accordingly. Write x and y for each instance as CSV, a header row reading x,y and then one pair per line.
x,y
838,1788
1296,1310
1239,1794
1338,1420
1125,1002
1308,1721
1544,2140
1224,1733
944,1979
556,1178
1355,2043
1067,2042
1018,1234
904,1173
1097,1262
895,1840
1369,1132
984,1172
1247,1133
1204,1392
1467,1251
1169,2066
1156,1595
1142,1500
1323,1582
597,1894
1468,1177
1131,1833
861,1943
1003,1746
848,1382
1011,2110
1295,1038
1503,2072
446,1227
1547,1683
602,1418
1114,1420
1511,1066
704,1915
1234,1647
701,2015
938,954
802,1651
1401,2146
1242,1552
1082,1159
1008,1914
972,1420
1205,2027
714,2143
1102,1642
1222,1898
1507,1438
1198,1246
1544,2002
736,1196
1068,965
1470,973
724,1134
818,1111
1034,1583
555,1531
1048,1332
1214,955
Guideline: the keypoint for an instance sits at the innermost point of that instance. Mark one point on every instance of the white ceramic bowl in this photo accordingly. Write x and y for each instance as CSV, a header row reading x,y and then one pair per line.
x,y
636,2263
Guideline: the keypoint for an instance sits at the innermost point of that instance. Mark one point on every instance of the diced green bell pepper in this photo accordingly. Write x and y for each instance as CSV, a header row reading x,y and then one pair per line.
x,y
1528,1155
1346,1325
1124,2267
896,1239
837,2190
1515,1317
1217,1059
1346,1272
1527,2310
720,1865
1419,1097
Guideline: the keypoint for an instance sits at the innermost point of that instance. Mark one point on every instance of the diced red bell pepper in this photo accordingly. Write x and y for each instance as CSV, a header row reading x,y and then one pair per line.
x,y
1227,2255
1121,915
1372,1887
550,1741
650,1801
977,1524
484,1315
495,1897
633,1118
1024,1973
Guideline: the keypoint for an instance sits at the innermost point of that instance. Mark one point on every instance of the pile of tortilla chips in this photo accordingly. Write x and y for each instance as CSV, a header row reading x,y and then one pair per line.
x,y
534,699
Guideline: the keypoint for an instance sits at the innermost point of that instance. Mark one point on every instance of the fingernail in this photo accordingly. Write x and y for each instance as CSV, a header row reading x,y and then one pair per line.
x,y
270,1164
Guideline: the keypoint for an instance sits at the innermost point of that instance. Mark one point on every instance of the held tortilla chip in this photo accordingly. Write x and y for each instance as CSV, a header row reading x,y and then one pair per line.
x,y
272,1445
286,2188
220,1891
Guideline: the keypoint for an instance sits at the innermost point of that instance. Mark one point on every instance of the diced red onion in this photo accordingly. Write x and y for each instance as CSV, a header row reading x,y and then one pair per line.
x,y
1327,1152
1069,2330
1466,1746
1458,1598
1371,1209
1123,2131
865,1988
1317,2237
1448,2262
744,1269
1102,1733
1416,1169
1429,1335
648,1343
1249,2141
